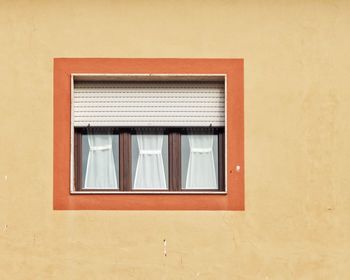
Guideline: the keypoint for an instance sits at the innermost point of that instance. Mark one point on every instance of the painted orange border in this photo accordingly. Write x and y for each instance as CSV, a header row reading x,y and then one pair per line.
x,y
63,200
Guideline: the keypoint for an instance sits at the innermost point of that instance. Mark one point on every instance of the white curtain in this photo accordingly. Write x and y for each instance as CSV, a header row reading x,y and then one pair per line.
x,y
150,169
100,170
201,166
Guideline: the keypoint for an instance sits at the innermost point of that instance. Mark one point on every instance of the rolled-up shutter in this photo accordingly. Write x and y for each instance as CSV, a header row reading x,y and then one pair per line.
x,y
149,104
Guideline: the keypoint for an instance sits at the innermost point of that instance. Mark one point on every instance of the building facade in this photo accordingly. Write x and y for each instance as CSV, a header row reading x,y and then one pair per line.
x,y
295,223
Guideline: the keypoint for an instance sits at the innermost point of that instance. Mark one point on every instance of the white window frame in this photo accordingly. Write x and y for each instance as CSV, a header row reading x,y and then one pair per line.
x,y
142,77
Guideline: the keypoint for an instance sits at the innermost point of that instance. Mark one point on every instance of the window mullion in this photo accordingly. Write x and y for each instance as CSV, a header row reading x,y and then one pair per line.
x,y
125,161
174,161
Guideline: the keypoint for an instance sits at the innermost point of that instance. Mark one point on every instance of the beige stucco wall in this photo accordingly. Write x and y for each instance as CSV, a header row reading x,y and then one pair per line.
x,y
297,132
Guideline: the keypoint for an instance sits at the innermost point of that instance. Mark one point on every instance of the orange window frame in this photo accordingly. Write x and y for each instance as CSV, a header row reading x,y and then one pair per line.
x,y
233,199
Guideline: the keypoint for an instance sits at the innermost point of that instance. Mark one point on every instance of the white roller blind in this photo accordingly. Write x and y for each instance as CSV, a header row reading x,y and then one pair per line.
x,y
149,104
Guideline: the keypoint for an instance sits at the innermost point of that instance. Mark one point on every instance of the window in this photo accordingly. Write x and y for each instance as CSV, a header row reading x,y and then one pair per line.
x,y
192,154
148,134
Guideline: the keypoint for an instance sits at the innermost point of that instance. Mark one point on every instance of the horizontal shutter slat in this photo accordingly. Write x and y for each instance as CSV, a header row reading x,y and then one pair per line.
x,y
148,114
147,85
170,109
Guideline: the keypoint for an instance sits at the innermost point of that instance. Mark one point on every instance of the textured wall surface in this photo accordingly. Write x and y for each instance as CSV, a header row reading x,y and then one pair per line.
x,y
297,132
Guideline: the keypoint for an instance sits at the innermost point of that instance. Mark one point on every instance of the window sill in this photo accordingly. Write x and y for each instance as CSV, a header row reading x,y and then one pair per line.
x,y
183,192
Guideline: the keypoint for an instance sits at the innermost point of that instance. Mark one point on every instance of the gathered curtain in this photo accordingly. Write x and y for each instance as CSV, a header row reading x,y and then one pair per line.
x,y
201,167
150,168
100,170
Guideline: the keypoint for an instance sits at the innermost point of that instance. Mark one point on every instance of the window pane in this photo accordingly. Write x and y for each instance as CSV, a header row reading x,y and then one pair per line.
x,y
149,161
199,161
100,159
